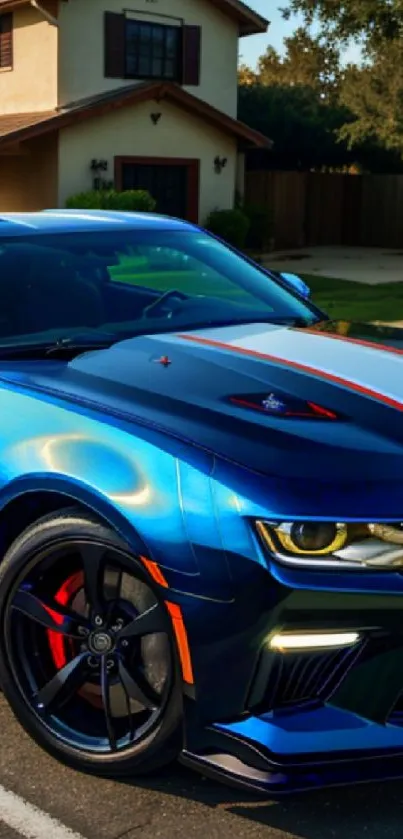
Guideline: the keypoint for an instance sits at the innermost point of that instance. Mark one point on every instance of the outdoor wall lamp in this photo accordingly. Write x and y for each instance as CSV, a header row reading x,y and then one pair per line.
x,y
98,166
155,118
220,164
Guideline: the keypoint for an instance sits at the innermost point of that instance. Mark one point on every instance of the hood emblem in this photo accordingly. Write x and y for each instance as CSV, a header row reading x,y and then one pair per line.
x,y
272,403
164,361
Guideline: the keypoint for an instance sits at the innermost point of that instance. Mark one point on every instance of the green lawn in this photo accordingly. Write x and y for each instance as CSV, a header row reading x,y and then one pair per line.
x,y
340,299
345,300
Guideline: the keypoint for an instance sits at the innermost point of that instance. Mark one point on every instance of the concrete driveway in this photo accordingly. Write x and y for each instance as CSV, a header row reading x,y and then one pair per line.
x,y
362,265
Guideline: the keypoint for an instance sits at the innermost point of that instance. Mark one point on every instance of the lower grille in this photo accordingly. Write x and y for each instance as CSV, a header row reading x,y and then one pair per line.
x,y
292,679
396,716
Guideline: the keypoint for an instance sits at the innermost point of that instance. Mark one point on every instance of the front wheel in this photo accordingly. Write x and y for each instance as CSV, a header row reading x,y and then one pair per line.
x,y
87,659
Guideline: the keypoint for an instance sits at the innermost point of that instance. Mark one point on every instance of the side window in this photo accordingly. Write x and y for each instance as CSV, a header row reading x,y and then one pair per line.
x,y
6,41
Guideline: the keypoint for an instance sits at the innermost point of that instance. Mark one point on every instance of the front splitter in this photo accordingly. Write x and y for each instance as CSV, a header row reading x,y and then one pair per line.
x,y
283,754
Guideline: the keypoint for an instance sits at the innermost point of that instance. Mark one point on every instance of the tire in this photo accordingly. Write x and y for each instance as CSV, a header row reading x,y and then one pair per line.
x,y
104,699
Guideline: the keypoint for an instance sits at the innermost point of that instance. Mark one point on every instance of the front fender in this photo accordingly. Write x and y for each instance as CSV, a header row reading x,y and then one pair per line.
x,y
130,481
75,492
154,490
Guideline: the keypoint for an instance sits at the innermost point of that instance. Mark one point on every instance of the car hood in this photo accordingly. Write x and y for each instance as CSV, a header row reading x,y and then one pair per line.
x,y
198,386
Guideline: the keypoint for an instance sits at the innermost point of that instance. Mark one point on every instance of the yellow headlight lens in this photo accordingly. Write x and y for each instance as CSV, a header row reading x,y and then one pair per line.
x,y
306,538
360,544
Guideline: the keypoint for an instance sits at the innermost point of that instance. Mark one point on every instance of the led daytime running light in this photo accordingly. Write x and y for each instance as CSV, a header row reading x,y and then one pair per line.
x,y
286,641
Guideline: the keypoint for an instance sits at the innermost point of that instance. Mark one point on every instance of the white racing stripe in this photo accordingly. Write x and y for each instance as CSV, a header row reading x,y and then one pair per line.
x,y
358,364
29,821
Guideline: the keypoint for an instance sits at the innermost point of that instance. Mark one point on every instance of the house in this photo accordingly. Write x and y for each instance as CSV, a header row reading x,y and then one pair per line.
x,y
141,93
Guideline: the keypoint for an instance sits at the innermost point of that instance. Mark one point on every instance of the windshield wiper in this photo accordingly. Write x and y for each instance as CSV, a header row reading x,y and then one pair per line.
x,y
65,346
69,345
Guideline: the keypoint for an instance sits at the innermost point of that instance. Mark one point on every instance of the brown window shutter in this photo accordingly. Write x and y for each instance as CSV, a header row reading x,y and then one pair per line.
x,y
115,31
191,55
6,40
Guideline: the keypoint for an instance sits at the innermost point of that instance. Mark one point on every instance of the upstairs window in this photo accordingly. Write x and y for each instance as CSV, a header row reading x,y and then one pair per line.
x,y
6,41
144,50
153,51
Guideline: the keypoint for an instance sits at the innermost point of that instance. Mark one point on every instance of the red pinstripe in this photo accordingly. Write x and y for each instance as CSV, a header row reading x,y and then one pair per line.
x,y
296,365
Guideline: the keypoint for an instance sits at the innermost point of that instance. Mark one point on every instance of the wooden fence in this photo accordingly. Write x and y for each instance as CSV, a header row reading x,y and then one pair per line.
x,y
313,209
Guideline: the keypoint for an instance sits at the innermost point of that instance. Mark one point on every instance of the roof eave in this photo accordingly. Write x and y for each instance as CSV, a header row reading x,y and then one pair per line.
x,y
258,141
260,27
249,21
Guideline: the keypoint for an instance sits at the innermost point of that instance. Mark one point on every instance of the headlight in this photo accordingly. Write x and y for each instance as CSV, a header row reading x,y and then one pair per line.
x,y
307,537
328,543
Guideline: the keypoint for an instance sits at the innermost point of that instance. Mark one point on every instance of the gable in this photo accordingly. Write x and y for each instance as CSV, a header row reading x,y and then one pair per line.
x,y
18,128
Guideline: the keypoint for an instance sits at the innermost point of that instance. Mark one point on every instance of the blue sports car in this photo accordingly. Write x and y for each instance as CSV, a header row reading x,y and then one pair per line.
x,y
201,507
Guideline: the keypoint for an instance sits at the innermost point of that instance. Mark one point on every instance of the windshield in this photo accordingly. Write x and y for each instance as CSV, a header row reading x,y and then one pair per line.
x,y
117,284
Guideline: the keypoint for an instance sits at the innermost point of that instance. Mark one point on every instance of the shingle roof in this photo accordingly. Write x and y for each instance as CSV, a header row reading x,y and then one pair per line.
x,y
9,123
12,3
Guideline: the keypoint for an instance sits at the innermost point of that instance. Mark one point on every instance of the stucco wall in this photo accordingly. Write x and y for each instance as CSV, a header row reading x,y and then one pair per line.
x,y
30,182
130,132
31,85
81,62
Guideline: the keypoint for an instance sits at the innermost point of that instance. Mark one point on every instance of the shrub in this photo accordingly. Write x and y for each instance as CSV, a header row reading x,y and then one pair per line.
x,y
230,225
132,200
261,229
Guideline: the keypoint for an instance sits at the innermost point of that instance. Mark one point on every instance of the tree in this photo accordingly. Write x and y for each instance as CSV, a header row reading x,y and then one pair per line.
x,y
372,92
374,95
319,113
306,62
310,134
373,21
246,76
302,127
292,99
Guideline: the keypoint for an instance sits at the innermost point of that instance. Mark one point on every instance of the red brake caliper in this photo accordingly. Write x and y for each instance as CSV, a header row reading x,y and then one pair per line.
x,y
63,596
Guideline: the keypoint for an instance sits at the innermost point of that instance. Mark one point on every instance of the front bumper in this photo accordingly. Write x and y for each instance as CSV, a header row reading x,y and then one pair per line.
x,y
303,720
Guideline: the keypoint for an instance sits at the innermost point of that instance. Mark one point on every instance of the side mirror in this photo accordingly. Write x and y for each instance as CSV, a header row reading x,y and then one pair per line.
x,y
297,284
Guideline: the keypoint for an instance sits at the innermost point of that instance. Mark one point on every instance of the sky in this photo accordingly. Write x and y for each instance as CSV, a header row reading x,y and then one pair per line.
x,y
255,45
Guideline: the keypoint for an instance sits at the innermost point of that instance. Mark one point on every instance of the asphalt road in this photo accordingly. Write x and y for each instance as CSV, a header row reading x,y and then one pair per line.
x,y
181,804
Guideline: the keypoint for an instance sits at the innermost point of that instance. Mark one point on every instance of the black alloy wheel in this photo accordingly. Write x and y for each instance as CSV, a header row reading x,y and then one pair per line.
x,y
87,658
